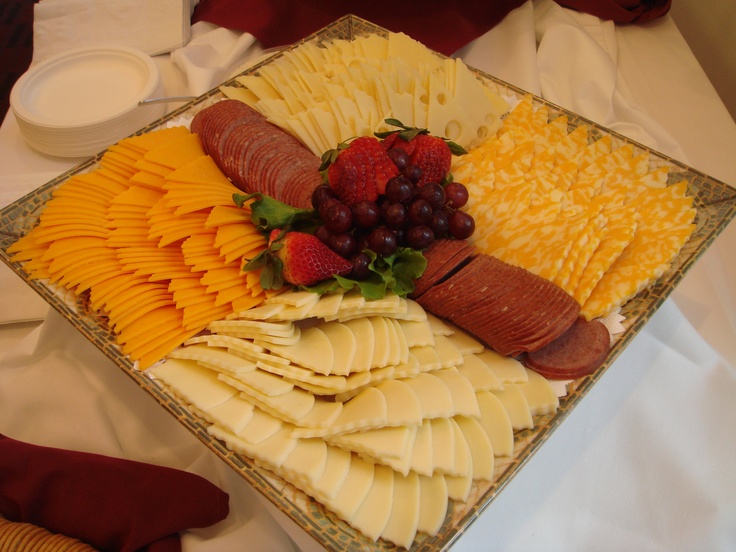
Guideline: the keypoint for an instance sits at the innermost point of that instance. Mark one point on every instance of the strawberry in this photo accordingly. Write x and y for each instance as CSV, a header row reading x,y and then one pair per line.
x,y
359,171
433,155
299,258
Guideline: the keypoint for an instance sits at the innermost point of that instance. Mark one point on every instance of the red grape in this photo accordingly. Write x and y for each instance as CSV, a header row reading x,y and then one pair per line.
x,y
394,214
433,193
320,193
360,266
461,225
338,218
457,195
419,237
399,157
366,214
382,241
440,223
399,189
343,244
420,212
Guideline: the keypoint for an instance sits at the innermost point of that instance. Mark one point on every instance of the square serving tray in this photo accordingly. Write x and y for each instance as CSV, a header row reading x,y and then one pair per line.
x,y
716,207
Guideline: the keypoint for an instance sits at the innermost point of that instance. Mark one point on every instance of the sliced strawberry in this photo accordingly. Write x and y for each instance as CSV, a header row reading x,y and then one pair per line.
x,y
433,156
360,171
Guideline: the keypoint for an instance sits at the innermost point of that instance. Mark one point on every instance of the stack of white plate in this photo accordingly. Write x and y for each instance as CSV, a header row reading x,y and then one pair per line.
x,y
79,102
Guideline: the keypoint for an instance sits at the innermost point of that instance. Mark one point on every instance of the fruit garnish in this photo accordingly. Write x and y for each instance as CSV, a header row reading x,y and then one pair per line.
x,y
394,273
408,134
423,158
358,171
298,258
268,213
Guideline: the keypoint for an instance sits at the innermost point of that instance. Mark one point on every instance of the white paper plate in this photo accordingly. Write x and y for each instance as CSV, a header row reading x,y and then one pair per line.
x,y
76,103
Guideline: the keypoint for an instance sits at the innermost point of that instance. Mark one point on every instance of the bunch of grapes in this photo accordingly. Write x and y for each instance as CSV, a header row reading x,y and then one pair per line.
x,y
406,215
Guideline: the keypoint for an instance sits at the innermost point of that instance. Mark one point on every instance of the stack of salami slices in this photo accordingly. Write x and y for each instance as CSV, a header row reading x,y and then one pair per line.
x,y
257,155
512,310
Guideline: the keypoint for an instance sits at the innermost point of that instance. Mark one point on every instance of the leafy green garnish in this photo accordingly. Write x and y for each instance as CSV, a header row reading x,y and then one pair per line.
x,y
268,214
395,273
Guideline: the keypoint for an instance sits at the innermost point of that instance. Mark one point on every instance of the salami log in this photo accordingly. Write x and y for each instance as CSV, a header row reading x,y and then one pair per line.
x,y
576,353
256,155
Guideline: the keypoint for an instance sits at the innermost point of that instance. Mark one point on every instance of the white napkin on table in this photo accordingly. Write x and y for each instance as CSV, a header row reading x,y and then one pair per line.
x,y
152,26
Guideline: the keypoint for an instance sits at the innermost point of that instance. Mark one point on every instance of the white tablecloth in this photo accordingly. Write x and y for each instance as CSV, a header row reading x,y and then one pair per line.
x,y
645,462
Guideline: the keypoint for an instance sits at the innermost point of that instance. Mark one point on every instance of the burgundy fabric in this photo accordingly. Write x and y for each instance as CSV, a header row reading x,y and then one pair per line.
x,y
441,25
109,503
621,11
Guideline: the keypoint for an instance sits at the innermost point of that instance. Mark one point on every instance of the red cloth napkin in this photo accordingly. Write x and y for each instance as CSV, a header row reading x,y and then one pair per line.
x,y
621,11
109,503
441,25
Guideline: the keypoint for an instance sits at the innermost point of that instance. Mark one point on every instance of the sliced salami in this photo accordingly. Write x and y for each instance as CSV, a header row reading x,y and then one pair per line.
x,y
578,352
510,309
256,155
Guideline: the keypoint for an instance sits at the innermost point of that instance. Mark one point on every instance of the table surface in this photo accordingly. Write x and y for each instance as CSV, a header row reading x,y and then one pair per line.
x,y
644,462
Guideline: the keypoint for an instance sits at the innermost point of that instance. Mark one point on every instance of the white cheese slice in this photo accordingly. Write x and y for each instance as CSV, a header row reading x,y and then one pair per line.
x,y
448,353
314,351
372,515
462,392
433,503
508,370
481,377
303,376
443,445
354,489
404,519
364,343
496,423
403,347
323,414
365,410
381,342
460,482
233,414
276,449
265,382
261,426
336,470
427,358
261,312
402,404
417,334
307,462
215,358
439,326
381,444
434,397
516,405
481,449
290,407
422,461
540,394
193,383
328,305
280,329
466,343
394,344
344,347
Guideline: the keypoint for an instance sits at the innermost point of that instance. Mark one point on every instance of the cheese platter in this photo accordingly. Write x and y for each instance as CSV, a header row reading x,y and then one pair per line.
x,y
714,202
